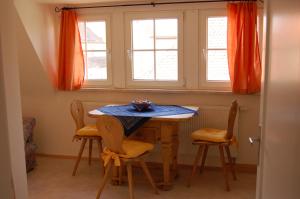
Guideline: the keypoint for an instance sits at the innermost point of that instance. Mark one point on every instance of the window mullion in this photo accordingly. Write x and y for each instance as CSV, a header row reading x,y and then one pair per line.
x,y
130,53
154,49
85,54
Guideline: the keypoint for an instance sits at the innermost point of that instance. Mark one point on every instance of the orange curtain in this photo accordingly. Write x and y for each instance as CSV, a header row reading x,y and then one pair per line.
x,y
71,60
243,49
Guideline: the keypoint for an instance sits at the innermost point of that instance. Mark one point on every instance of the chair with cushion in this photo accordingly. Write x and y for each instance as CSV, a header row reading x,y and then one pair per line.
x,y
207,137
120,151
84,133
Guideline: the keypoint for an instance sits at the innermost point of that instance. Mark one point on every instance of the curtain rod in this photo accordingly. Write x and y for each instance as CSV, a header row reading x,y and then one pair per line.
x,y
57,9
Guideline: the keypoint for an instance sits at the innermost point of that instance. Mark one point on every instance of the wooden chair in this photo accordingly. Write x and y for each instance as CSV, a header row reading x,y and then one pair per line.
x,y
216,137
84,133
121,151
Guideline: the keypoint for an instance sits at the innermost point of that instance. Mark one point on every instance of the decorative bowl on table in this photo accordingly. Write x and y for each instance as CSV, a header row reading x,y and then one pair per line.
x,y
141,104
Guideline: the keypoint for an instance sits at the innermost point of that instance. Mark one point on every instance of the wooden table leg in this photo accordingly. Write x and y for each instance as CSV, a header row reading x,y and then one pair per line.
x,y
175,145
168,135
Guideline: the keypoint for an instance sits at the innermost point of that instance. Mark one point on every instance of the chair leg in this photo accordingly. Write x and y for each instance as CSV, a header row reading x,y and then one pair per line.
x,y
231,164
120,173
130,180
198,156
99,141
90,150
79,156
222,158
104,180
148,175
115,176
204,158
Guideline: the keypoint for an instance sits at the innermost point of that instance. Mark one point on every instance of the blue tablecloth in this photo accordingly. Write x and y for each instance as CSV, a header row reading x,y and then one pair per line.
x,y
154,111
133,119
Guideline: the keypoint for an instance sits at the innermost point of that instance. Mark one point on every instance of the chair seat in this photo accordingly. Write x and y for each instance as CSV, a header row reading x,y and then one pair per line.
x,y
134,148
88,130
210,135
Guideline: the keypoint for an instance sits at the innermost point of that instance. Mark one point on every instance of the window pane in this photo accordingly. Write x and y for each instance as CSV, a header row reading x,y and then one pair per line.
x,y
96,66
166,33
96,35
217,32
142,34
81,30
217,65
166,65
143,65
81,26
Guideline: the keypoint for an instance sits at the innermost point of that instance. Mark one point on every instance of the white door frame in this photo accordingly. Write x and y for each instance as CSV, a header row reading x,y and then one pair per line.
x,y
264,89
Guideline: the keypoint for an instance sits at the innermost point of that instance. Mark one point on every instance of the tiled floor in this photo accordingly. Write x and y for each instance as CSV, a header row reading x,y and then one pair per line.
x,y
52,179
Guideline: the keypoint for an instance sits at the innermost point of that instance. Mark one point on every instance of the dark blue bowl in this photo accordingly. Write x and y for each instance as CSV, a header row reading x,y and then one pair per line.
x,y
141,106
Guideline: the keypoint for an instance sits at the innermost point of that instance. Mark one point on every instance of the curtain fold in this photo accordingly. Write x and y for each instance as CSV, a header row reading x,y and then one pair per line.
x,y
71,59
244,60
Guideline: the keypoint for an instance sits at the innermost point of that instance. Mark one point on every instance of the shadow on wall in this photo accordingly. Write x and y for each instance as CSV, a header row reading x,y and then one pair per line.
x,y
33,77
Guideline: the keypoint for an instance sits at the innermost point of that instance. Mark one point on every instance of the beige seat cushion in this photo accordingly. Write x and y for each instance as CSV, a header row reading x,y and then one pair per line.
x,y
134,148
210,135
88,130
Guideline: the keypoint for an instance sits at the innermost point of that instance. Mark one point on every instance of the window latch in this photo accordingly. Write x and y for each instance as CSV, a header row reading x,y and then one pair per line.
x,y
129,54
204,53
108,54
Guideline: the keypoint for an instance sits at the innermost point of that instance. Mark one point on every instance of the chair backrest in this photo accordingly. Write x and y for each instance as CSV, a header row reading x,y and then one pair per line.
x,y
231,119
112,132
77,113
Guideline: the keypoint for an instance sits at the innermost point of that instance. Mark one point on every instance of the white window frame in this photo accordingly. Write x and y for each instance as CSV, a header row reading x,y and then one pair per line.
x,y
130,82
90,83
203,30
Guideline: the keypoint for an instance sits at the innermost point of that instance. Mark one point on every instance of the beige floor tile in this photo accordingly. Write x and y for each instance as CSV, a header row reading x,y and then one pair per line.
x,y
52,179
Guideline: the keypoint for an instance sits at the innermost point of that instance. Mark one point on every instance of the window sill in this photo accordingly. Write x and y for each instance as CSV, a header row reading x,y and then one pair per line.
x,y
179,91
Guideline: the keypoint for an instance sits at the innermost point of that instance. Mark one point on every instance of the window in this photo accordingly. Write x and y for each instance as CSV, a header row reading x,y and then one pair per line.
x,y
153,50
214,66
217,62
95,45
172,48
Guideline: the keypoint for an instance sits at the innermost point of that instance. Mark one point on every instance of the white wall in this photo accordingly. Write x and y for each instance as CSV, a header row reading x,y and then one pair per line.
x,y
55,127
40,25
5,167
13,171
